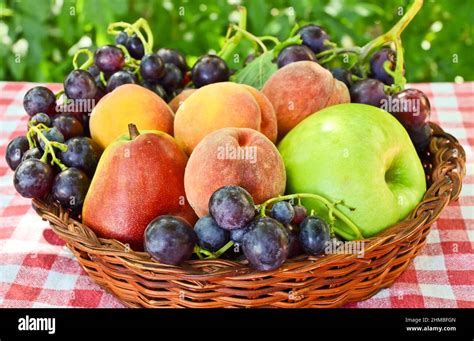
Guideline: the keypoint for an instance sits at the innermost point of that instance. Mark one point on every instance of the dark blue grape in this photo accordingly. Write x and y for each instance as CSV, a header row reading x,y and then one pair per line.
x,y
294,245
40,118
39,100
152,67
266,245
343,75
174,57
52,134
295,53
121,38
33,178
172,77
155,87
33,153
70,189
210,235
237,235
170,239
82,153
120,78
68,125
314,235
368,91
377,69
314,37
209,69
15,151
232,207
283,212
80,84
135,47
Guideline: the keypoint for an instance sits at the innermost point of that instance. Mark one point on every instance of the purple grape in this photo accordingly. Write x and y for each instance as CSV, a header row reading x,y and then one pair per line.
x,y
266,245
70,189
52,134
283,212
314,37
411,107
314,235
33,178
343,75
232,207
135,47
300,214
80,84
155,87
294,245
109,59
120,78
15,151
68,125
210,235
82,153
368,91
170,240
121,38
174,57
295,53
40,118
172,78
33,153
377,62
237,235
209,69
152,67
39,100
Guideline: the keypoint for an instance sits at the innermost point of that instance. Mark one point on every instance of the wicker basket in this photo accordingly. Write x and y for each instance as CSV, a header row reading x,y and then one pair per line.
x,y
305,281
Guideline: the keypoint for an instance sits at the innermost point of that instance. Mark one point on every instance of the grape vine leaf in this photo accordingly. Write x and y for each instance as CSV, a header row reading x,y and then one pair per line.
x,y
257,72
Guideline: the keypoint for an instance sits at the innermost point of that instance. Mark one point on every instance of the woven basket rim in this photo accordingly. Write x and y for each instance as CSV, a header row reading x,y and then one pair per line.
x,y
446,183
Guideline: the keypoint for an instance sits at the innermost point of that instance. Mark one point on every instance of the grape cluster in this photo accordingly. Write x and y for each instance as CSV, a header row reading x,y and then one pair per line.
x,y
266,242
57,158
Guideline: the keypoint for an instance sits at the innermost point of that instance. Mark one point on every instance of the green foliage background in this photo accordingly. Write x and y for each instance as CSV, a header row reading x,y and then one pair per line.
x,y
39,37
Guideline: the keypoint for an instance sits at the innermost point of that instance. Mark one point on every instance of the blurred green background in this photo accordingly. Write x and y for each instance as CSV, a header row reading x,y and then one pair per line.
x,y
39,37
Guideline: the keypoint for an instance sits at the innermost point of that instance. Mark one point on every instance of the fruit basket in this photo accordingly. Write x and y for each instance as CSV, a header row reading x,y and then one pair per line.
x,y
305,281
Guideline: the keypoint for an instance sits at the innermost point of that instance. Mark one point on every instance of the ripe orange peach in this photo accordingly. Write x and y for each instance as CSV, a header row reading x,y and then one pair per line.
x,y
176,102
300,89
129,103
233,156
222,105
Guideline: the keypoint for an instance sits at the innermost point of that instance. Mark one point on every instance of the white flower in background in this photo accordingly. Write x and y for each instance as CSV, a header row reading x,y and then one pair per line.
x,y
20,47
4,38
83,43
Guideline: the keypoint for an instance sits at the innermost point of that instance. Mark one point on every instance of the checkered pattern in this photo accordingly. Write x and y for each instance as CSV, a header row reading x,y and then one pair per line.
x,y
37,270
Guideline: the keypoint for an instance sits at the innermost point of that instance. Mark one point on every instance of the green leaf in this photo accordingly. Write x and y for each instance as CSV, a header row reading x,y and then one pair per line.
x,y
257,72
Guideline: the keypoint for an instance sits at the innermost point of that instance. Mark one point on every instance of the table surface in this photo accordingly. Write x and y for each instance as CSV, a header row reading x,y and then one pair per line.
x,y
37,270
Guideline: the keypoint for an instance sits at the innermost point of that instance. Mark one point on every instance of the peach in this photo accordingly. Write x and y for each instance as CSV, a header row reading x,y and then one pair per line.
x,y
300,89
233,156
222,105
126,104
176,102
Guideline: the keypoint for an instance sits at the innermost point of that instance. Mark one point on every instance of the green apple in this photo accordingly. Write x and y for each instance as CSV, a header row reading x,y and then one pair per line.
x,y
359,154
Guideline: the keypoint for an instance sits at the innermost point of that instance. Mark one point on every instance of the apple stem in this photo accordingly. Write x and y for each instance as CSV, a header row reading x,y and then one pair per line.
x,y
133,131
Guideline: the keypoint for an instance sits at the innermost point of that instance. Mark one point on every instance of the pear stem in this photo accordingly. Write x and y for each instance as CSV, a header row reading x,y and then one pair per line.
x,y
133,131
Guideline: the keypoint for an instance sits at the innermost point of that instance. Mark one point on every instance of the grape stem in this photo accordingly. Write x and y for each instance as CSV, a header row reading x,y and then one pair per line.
x,y
49,145
251,37
233,41
333,211
87,63
206,254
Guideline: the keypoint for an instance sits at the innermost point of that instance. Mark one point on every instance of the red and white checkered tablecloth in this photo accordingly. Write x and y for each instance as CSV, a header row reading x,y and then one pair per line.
x,y
37,270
